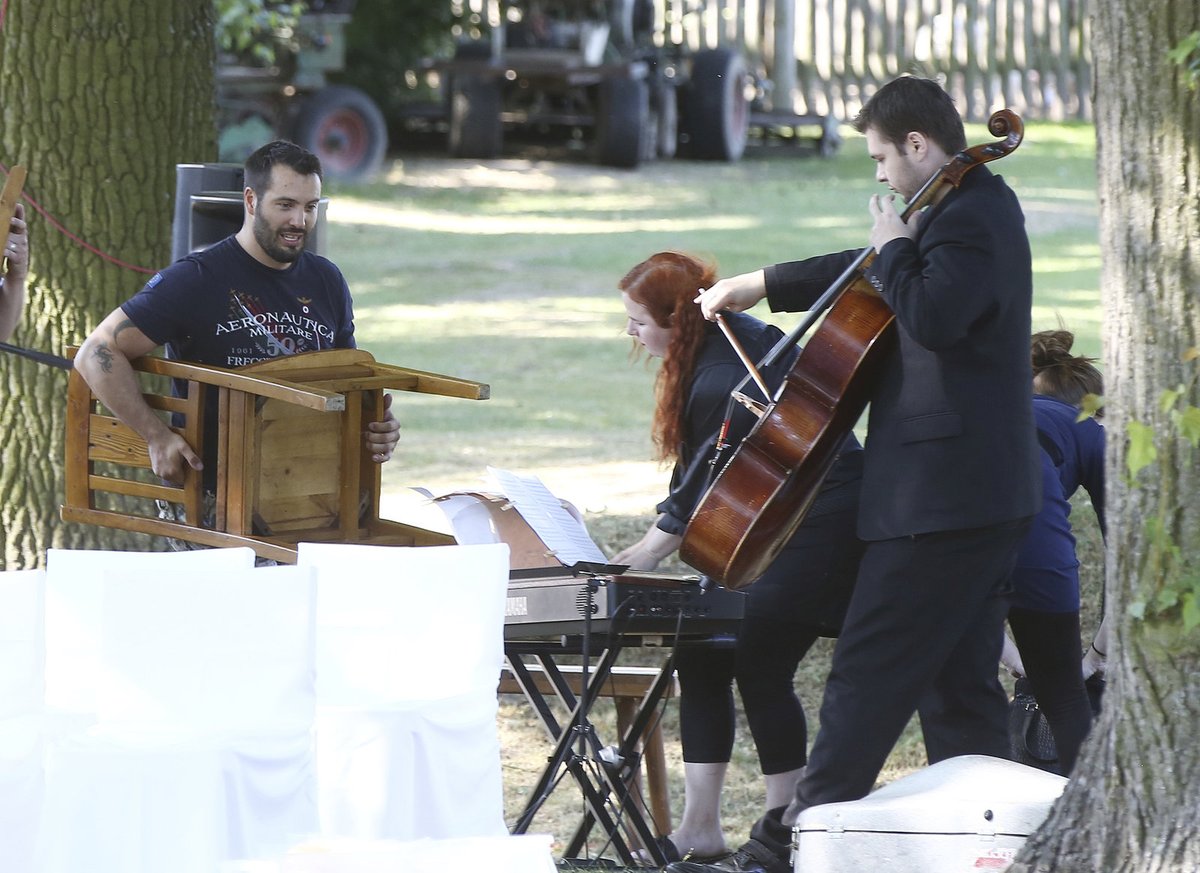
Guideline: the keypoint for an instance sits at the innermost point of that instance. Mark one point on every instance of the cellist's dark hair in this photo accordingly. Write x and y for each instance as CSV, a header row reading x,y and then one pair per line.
x,y
910,103
666,284
258,166
1059,374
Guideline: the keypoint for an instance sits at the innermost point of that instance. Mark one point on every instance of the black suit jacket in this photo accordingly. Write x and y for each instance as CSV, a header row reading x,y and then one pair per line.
x,y
950,435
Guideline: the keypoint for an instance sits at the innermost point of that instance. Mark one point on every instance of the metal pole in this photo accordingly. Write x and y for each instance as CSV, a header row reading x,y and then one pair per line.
x,y
784,72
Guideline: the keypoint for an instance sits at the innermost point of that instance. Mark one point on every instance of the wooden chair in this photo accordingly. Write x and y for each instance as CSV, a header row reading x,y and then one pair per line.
x,y
291,457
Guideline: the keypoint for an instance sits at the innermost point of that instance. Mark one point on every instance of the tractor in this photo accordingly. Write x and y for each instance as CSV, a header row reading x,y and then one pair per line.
x,y
291,98
596,71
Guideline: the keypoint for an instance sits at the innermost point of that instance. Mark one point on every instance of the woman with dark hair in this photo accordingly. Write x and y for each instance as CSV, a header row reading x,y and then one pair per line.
x,y
1044,616
801,597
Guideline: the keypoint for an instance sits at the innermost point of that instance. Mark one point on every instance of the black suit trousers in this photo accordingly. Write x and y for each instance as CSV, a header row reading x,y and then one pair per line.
x,y
923,633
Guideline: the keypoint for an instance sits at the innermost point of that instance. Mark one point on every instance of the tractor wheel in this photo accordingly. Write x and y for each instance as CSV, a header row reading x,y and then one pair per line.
x,y
716,112
621,122
345,129
668,120
631,22
476,130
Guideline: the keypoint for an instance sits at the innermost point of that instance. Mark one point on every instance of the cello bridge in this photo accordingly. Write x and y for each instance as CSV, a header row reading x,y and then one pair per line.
x,y
759,409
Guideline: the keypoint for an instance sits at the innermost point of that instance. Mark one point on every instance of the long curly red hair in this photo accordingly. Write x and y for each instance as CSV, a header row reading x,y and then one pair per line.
x,y
666,283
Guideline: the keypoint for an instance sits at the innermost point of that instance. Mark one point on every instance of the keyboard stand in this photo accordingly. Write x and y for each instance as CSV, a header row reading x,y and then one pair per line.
x,y
604,778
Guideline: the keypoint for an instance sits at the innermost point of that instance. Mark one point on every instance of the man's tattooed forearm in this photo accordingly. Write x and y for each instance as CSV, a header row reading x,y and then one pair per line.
x,y
104,356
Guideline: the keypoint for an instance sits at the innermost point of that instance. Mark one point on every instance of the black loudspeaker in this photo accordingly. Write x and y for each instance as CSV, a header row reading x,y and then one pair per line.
x,y
208,208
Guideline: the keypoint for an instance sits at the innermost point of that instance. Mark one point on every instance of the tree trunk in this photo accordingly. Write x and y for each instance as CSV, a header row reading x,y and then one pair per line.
x,y
100,101
1132,804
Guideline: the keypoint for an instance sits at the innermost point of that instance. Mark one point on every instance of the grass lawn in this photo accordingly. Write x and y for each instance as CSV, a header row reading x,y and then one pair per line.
x,y
506,271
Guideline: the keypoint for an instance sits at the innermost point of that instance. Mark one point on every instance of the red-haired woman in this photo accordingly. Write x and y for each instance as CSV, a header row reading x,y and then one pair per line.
x,y
800,598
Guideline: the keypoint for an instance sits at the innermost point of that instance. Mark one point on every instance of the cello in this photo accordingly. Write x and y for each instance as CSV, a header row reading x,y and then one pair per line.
x,y
761,495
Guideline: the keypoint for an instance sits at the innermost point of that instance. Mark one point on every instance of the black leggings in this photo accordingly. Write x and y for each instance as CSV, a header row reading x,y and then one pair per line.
x,y
801,597
764,664
1050,647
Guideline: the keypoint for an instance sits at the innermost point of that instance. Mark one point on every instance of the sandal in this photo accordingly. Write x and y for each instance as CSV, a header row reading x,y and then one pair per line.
x,y
671,852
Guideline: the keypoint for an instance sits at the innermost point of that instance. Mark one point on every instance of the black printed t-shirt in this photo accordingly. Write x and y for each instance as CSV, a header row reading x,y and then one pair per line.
x,y
223,308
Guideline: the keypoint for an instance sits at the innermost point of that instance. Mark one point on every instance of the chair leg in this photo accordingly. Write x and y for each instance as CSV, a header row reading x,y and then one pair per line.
x,y
654,759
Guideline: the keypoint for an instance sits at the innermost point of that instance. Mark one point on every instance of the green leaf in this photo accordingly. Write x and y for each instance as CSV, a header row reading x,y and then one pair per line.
x,y
1090,405
1189,425
1167,399
1187,55
1142,452
1179,54
1191,612
1165,599
1137,609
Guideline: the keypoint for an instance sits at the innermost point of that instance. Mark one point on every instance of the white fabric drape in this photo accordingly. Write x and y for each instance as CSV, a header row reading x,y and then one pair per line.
x,y
200,751
22,674
409,651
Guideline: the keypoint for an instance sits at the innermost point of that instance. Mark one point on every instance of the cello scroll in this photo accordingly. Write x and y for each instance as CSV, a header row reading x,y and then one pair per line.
x,y
1003,122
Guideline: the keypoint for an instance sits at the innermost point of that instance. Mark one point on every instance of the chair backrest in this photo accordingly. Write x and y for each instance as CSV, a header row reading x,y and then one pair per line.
x,y
105,457
74,605
398,624
22,642
198,650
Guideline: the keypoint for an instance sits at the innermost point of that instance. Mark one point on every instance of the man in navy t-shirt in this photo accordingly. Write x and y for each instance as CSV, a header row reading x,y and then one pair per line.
x,y
253,296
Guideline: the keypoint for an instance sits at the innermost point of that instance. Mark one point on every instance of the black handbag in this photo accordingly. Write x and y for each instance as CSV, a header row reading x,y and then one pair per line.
x,y
1029,738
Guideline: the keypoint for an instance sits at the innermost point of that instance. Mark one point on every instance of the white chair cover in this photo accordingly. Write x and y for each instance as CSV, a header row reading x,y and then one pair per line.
x,y
409,651
526,853
22,673
201,750
74,599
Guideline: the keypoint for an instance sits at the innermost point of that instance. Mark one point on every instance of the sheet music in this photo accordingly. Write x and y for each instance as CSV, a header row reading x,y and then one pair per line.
x,y
562,533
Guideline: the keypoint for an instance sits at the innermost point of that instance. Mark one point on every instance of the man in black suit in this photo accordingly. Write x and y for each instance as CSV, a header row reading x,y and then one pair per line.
x,y
951,471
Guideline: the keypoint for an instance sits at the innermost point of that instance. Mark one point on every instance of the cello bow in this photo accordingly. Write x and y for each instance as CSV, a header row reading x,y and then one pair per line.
x,y
762,493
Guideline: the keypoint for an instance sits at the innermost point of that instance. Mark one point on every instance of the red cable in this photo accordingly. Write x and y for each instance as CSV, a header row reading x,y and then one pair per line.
x,y
54,222
59,227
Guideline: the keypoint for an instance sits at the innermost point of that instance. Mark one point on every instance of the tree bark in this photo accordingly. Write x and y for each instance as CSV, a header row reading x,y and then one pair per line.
x,y
1132,804
100,101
